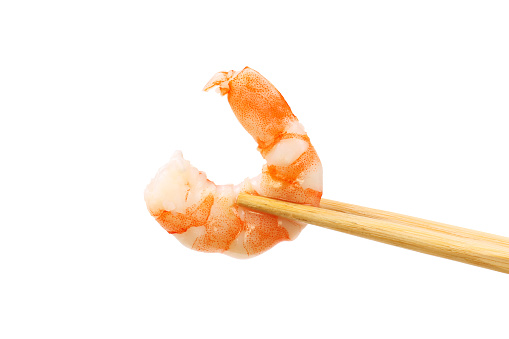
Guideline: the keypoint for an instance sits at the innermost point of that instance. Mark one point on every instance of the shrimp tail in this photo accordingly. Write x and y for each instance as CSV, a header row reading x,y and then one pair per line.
x,y
222,80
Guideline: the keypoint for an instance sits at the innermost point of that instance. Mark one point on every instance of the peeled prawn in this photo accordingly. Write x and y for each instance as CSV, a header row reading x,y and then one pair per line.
x,y
205,216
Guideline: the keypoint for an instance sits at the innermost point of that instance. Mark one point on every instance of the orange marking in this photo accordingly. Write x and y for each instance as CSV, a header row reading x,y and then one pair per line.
x,y
265,234
175,222
221,231
259,106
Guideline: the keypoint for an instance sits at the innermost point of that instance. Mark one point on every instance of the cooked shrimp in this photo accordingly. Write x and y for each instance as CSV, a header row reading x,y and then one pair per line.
x,y
205,216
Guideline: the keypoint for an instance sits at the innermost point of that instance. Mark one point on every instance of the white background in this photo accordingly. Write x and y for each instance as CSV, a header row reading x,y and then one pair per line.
x,y
406,103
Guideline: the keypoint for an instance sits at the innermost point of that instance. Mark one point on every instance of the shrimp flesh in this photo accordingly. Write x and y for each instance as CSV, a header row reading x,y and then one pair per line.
x,y
205,216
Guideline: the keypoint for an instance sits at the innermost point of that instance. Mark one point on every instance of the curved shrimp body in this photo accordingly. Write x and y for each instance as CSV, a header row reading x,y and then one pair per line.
x,y
204,216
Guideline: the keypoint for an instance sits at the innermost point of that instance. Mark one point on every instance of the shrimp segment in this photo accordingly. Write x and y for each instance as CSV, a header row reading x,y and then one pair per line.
x,y
205,216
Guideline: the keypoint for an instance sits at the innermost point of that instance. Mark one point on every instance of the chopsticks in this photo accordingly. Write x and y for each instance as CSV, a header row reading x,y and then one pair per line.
x,y
460,244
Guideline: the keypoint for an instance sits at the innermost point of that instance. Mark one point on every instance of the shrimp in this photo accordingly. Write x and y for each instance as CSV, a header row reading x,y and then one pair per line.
x,y
204,216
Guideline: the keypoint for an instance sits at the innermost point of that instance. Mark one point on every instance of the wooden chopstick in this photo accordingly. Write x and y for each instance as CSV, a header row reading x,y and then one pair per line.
x,y
441,240
412,221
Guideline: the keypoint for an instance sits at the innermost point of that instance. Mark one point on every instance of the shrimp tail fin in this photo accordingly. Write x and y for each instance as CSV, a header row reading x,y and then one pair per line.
x,y
221,79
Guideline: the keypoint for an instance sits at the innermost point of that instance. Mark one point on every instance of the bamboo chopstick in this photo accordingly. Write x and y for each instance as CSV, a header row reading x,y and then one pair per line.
x,y
441,240
412,221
